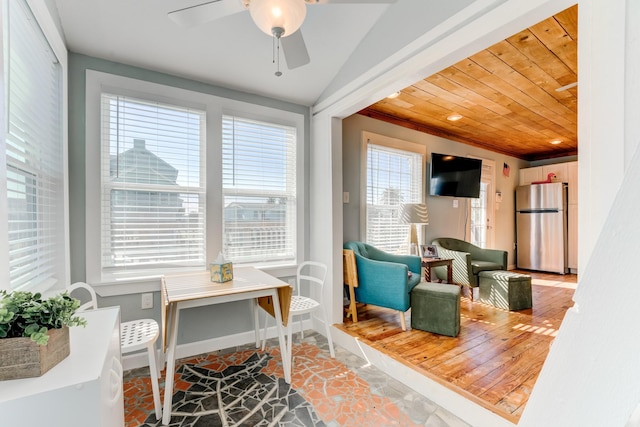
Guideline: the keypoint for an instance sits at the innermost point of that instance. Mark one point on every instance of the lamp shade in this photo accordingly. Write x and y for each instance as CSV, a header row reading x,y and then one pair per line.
x,y
414,213
285,14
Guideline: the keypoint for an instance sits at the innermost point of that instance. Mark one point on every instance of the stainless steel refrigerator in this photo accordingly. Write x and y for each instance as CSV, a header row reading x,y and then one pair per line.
x,y
541,227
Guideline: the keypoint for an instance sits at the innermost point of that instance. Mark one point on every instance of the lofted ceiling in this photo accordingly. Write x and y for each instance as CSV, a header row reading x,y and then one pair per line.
x,y
507,95
230,52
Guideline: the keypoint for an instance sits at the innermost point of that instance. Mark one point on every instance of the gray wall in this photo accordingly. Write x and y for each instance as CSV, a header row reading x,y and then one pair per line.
x,y
444,220
203,323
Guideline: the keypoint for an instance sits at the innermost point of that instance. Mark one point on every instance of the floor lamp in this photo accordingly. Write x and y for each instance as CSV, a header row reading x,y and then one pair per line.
x,y
412,214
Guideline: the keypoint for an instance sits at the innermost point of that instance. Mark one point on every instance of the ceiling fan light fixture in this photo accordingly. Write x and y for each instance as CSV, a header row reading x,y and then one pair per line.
x,y
286,14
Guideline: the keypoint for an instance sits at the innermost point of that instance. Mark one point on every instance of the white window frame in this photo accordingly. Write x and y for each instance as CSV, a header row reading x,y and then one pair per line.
x,y
398,144
215,107
109,185
50,31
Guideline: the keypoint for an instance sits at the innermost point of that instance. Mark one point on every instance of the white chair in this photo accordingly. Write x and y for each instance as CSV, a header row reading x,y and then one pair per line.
x,y
314,273
134,335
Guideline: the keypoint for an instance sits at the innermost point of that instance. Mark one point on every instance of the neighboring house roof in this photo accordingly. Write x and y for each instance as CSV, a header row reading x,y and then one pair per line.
x,y
140,165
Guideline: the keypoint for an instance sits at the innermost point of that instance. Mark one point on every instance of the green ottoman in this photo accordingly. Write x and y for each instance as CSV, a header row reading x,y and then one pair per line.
x,y
435,307
506,290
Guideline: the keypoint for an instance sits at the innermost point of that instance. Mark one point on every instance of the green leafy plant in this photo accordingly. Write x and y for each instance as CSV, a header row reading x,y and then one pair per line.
x,y
26,314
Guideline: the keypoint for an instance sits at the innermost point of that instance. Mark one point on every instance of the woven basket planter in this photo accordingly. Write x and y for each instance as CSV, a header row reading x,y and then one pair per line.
x,y
23,358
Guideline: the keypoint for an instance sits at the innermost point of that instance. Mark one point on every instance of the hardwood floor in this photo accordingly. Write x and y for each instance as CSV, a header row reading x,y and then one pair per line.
x,y
496,358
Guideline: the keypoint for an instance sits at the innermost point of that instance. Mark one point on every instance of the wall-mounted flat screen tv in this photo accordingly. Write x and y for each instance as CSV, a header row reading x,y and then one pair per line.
x,y
455,176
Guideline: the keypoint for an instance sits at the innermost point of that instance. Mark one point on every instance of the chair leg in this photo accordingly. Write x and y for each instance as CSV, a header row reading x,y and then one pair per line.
x,y
159,359
153,371
301,329
402,321
328,329
352,305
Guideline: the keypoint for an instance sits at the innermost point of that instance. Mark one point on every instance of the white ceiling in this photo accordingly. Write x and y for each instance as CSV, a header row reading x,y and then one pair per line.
x,y
230,52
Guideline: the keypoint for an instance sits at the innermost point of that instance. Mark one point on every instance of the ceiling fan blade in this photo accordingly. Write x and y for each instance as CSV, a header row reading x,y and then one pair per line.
x,y
205,12
295,51
349,1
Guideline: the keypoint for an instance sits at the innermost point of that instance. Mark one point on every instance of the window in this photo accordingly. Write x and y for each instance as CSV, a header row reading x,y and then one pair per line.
x,y
153,184
394,176
34,149
174,177
259,190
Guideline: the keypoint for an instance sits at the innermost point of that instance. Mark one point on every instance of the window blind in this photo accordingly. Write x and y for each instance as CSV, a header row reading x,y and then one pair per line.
x,y
153,193
259,190
393,177
34,147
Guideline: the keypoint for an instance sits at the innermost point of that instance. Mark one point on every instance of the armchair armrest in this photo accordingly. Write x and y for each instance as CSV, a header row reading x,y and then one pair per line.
x,y
462,271
496,256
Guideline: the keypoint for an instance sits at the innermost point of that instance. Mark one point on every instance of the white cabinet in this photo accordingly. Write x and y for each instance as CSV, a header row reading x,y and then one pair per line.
x,y
572,176
565,172
572,171
540,173
529,175
572,257
85,389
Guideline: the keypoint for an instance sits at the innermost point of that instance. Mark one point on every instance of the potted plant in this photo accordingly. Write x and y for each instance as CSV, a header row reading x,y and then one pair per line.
x,y
34,334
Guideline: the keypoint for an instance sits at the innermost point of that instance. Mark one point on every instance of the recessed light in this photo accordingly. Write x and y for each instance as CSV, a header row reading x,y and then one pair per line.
x,y
394,95
555,142
454,117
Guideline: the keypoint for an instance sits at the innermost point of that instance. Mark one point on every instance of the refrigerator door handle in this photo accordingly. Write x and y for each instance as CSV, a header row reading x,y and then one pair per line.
x,y
535,211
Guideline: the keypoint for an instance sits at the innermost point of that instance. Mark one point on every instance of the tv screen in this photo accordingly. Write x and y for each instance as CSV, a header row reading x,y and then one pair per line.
x,y
455,176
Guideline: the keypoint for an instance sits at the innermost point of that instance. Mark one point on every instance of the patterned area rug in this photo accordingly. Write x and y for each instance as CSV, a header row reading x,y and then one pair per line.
x,y
239,395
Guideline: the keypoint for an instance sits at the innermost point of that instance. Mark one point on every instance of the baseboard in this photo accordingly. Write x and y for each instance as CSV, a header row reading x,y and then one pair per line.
x,y
140,359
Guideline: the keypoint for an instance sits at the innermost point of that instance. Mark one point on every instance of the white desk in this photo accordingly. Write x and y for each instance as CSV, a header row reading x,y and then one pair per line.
x,y
196,289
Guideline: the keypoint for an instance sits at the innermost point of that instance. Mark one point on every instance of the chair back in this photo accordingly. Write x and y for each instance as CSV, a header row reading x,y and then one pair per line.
x,y
312,271
92,304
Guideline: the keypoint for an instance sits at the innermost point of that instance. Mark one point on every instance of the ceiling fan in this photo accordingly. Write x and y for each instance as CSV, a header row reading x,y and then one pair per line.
x,y
280,19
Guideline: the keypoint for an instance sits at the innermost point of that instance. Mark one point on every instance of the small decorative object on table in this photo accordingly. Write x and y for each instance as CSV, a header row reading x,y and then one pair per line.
x,y
34,332
429,251
221,270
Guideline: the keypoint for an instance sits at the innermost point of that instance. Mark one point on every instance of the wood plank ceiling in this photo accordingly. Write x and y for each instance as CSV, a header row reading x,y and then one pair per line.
x,y
508,95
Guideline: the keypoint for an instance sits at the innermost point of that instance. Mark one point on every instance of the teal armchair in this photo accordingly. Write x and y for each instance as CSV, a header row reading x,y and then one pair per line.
x,y
383,278
468,260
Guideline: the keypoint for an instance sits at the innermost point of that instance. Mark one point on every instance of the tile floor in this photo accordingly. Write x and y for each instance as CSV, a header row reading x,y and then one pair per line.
x,y
345,391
